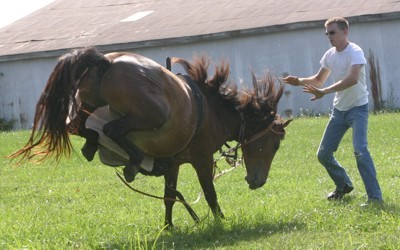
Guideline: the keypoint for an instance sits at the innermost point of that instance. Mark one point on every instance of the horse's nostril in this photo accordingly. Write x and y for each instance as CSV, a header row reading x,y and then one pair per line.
x,y
262,183
254,183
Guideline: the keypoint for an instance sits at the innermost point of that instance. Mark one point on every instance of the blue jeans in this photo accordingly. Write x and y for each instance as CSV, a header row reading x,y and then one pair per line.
x,y
340,121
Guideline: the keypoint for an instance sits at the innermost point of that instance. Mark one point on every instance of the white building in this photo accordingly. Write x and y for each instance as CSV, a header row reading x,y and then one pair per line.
x,y
282,36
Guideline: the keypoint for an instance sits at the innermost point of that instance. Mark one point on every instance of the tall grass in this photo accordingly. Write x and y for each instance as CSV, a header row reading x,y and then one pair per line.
x,y
81,205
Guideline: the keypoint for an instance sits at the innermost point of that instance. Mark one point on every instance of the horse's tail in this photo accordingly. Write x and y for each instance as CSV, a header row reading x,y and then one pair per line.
x,y
49,135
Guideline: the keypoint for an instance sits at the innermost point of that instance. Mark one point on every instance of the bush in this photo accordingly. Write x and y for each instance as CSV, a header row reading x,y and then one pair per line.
x,y
6,125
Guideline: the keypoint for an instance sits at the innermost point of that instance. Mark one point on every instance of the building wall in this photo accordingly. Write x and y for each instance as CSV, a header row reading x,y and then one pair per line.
x,y
298,52
21,84
295,52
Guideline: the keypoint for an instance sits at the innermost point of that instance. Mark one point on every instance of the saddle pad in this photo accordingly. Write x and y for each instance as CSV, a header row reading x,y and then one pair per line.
x,y
109,152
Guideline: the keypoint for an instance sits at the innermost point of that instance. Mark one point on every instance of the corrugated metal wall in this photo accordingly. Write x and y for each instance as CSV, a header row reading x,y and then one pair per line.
x,y
295,52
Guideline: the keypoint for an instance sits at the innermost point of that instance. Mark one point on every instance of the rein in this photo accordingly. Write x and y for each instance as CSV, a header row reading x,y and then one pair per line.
x,y
199,99
178,194
231,154
241,142
261,133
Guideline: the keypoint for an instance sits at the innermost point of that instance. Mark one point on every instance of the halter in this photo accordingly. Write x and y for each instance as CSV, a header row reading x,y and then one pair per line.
x,y
241,142
261,133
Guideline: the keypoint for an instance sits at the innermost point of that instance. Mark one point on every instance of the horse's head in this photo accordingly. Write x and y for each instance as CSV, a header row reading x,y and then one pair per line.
x,y
259,150
261,129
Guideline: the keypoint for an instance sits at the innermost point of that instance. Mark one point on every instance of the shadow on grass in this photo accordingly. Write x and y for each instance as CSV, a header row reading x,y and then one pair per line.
x,y
374,208
209,235
377,208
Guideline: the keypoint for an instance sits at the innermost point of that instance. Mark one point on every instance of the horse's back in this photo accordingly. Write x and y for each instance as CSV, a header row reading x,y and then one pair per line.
x,y
140,87
139,75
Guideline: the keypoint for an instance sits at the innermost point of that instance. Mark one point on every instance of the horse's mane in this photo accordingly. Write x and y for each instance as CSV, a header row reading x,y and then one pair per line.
x,y
263,97
198,72
49,132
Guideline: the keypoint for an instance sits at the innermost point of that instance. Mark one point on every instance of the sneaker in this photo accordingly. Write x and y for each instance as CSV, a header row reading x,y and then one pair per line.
x,y
372,202
338,194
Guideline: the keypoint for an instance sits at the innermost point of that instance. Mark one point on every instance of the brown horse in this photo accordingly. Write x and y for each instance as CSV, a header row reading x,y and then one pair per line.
x,y
175,119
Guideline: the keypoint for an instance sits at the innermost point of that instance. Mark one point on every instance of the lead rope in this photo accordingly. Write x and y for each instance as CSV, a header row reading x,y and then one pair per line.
x,y
178,194
231,157
232,160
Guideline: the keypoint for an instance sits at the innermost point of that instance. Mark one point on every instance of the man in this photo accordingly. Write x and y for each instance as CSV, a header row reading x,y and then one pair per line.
x,y
346,61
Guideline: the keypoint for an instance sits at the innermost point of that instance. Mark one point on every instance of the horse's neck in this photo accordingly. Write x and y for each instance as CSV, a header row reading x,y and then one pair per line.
x,y
227,121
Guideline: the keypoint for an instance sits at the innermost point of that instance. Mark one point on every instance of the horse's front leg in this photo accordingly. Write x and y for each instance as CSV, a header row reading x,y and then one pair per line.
x,y
171,179
117,130
205,174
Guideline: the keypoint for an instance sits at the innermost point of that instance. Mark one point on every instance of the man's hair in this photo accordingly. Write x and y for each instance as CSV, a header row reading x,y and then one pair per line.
x,y
342,23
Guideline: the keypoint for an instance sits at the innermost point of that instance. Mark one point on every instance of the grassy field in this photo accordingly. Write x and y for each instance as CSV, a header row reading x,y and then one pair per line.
x,y
81,205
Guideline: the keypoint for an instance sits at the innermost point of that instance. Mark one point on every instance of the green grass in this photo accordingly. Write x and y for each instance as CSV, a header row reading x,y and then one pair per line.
x,y
81,205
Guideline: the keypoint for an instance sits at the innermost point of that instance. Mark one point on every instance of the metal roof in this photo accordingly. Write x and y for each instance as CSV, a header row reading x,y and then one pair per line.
x,y
66,24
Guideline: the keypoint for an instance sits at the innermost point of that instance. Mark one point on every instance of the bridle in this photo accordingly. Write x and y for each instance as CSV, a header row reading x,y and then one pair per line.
x,y
261,133
232,153
244,141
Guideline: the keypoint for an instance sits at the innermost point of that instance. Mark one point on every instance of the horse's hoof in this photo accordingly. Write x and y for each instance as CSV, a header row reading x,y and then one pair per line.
x,y
169,226
130,172
89,151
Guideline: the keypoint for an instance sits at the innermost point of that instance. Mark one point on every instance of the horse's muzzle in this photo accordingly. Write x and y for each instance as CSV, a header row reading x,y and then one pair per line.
x,y
254,183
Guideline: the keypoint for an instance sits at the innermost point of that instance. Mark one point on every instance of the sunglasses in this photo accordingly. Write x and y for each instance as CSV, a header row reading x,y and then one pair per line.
x,y
330,33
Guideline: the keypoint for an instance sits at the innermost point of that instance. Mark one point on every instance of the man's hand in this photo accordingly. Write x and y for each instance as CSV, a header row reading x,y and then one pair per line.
x,y
292,80
318,93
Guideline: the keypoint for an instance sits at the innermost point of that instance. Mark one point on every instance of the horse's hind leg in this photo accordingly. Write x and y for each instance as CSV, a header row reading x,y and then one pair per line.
x,y
117,131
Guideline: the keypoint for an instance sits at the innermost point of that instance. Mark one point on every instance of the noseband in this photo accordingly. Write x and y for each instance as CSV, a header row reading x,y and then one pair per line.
x,y
244,142
233,152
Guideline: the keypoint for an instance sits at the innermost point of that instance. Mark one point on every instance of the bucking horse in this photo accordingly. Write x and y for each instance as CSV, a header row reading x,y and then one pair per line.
x,y
138,114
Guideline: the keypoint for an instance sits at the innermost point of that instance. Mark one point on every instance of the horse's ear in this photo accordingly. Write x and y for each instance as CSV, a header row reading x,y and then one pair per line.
x,y
287,122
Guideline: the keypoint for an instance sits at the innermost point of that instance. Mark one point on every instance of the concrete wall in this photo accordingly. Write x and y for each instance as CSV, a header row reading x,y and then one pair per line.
x,y
296,52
